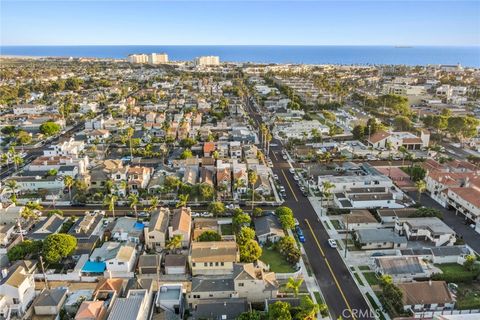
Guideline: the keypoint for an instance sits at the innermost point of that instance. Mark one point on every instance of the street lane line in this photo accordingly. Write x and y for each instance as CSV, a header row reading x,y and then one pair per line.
x,y
331,270
288,183
274,155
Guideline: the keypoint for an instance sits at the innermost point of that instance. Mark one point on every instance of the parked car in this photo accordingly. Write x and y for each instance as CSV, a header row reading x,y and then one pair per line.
x,y
195,214
207,214
143,214
291,170
332,243
300,235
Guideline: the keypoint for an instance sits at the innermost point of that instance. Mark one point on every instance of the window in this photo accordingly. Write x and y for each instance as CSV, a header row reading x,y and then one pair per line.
x,y
222,264
205,264
121,263
216,264
193,264
211,264
240,284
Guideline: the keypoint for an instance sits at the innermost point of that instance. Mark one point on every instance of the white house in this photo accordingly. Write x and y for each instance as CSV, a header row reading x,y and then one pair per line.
x,y
430,229
17,286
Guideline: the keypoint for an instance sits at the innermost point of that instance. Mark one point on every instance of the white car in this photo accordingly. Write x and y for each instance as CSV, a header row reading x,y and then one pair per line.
x,y
207,214
332,243
291,170
296,222
22,232
296,178
284,157
275,176
195,214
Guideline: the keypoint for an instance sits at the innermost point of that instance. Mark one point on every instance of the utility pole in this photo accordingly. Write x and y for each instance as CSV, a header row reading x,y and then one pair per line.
x,y
346,239
44,274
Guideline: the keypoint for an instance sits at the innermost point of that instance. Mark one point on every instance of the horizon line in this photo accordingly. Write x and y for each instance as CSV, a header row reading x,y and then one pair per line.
x,y
242,45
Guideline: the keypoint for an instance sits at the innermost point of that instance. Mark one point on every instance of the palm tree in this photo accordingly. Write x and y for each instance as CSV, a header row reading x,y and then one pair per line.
x,y
109,202
12,187
133,201
326,187
182,200
294,285
153,204
403,151
26,214
108,186
252,179
421,186
69,182
206,191
129,133
34,206
174,243
17,161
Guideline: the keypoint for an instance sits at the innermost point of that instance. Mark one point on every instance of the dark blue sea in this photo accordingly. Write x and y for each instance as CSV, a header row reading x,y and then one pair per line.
x,y
419,55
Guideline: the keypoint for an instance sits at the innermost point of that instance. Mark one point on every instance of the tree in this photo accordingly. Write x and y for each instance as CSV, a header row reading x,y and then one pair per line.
x,y
17,161
206,191
469,262
187,153
133,201
252,179
249,315
426,212
294,285
23,250
109,202
287,221
24,137
326,187
417,173
244,235
69,182
12,187
50,128
257,212
279,311
421,187
182,200
250,251
308,309
174,243
240,220
288,248
153,204
216,207
280,211
209,235
58,246
391,297
359,132
172,182
402,123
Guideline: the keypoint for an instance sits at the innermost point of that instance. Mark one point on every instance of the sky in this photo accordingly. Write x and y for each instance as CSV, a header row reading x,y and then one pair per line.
x,y
110,22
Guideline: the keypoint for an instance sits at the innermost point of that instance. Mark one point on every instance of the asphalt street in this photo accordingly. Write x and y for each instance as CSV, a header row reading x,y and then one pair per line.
x,y
338,287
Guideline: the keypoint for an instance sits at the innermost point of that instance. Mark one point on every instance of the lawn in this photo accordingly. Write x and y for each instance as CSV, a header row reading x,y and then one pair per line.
x,y
336,224
375,306
371,278
276,261
454,272
468,297
359,280
227,229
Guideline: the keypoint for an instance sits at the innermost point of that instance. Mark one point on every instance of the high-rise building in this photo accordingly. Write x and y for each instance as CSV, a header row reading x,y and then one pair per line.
x,y
137,58
207,61
157,58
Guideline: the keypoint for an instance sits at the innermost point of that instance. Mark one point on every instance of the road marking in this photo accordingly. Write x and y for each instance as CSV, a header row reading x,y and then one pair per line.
x,y
274,155
288,183
331,270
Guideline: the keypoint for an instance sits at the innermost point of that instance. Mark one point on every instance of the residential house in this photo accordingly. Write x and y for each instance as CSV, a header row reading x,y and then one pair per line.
x,y
210,288
46,226
181,224
427,229
208,149
268,229
225,309
138,178
359,219
127,229
135,306
395,140
213,257
17,286
253,283
402,268
149,264
175,264
370,239
426,296
156,232
170,299
50,302
118,258
91,310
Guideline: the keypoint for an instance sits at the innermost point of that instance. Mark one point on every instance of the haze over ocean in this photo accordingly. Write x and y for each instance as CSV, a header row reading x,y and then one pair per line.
x,y
417,55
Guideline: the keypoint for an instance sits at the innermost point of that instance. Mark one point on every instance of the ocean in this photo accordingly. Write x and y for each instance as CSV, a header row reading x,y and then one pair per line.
x,y
346,55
